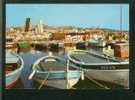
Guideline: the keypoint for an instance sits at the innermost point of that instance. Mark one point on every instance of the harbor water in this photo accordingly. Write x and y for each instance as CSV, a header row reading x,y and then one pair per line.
x,y
31,56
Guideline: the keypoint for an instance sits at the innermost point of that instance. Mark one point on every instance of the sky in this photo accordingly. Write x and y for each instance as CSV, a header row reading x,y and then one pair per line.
x,y
80,15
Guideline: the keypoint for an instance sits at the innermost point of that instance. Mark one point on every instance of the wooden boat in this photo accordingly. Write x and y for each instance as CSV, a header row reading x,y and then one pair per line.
x,y
13,68
56,72
101,67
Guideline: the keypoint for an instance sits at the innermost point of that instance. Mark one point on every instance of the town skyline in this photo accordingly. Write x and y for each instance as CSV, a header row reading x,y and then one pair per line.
x,y
79,16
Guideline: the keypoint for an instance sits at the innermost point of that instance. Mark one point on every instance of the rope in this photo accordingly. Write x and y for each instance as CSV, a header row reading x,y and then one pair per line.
x,y
44,81
97,83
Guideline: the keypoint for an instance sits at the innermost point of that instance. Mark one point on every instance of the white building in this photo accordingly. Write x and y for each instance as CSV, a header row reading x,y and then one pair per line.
x,y
40,27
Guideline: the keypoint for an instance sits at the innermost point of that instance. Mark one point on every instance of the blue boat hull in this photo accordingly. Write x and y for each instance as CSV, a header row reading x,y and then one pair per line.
x,y
14,75
11,79
59,79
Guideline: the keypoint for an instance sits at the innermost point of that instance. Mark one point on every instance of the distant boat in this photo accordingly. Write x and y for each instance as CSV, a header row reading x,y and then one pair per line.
x,y
61,44
54,46
11,45
58,74
41,46
96,43
101,67
24,46
13,68
81,45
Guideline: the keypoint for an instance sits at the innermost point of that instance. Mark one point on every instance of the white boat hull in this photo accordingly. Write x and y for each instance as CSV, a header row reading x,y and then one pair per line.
x,y
60,83
120,77
113,71
60,78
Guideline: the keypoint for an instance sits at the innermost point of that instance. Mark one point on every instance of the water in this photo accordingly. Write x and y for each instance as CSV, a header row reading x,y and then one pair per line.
x,y
30,57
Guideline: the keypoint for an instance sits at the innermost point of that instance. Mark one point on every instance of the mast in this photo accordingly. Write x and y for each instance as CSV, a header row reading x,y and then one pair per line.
x,y
121,33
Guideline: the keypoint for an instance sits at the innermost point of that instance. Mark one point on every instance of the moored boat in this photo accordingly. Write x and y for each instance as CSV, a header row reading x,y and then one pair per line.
x,y
57,73
96,43
11,45
40,45
61,44
54,46
81,45
24,46
101,67
13,68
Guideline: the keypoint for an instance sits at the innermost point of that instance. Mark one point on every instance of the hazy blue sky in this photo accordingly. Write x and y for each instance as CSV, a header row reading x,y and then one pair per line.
x,y
83,15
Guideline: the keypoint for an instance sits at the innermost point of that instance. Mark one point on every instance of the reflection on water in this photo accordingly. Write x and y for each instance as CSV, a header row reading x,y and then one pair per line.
x,y
29,58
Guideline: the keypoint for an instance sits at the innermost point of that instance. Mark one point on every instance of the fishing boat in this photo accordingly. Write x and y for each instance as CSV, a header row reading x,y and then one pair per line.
x,y
56,72
101,67
13,68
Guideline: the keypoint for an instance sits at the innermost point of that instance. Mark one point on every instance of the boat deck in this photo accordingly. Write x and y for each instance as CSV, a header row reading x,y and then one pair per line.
x,y
87,58
53,65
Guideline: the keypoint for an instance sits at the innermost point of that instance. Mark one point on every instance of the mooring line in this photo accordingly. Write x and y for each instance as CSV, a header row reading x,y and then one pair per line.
x,y
44,81
97,83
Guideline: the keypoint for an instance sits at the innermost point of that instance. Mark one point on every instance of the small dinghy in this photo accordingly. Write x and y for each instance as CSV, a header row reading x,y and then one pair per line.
x,y
55,72
101,67
13,68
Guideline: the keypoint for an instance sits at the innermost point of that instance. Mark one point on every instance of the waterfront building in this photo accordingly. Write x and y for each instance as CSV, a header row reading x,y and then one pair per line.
x,y
11,30
76,36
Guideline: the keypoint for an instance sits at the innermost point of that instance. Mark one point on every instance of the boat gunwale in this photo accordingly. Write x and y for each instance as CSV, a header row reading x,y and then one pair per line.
x,y
18,69
40,59
58,71
45,57
89,69
92,64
